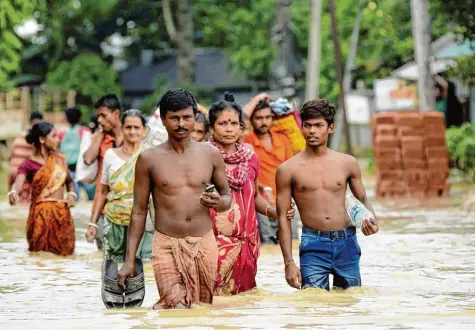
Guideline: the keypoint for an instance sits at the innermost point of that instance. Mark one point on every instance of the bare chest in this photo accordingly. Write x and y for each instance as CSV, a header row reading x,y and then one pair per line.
x,y
331,177
175,173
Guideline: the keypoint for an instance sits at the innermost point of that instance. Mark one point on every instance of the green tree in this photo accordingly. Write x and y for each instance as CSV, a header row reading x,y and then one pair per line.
x,y
457,14
88,75
12,13
243,28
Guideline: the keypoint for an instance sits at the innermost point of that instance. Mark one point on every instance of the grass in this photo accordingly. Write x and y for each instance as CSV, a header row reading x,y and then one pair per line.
x,y
3,183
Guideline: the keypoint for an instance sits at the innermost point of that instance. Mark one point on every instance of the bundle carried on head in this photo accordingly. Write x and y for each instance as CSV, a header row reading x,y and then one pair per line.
x,y
281,107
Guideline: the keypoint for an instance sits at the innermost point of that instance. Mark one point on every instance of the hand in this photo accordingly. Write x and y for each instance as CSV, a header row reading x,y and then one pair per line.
x,y
293,275
263,97
71,200
291,212
210,200
13,198
369,226
126,271
91,233
202,109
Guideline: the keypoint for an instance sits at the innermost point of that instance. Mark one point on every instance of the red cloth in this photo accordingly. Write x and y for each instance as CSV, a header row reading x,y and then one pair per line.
x,y
241,156
236,232
29,168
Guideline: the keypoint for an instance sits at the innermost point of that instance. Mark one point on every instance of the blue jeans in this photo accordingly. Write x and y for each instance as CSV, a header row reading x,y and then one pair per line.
x,y
89,188
329,252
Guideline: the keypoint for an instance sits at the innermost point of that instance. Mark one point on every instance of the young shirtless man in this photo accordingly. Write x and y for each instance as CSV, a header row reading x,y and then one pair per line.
x,y
185,252
317,179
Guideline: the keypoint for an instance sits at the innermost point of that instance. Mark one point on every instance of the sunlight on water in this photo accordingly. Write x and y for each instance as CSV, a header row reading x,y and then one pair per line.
x,y
418,273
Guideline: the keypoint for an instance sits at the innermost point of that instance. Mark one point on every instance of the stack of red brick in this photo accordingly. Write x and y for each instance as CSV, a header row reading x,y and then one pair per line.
x,y
411,156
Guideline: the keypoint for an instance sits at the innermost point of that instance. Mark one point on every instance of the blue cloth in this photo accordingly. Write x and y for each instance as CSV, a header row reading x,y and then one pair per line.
x,y
281,107
325,253
89,188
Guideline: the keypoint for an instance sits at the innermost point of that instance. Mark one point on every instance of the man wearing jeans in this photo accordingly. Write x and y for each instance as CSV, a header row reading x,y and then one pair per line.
x,y
317,179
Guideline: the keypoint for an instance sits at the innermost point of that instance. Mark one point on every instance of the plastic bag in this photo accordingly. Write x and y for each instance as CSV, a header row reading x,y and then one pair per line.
x,y
85,173
157,133
357,211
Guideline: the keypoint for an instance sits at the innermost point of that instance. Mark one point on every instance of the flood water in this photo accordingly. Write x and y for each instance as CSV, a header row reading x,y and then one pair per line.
x,y
417,273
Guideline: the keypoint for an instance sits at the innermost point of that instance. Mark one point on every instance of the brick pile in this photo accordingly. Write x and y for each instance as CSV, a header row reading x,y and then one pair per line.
x,y
411,156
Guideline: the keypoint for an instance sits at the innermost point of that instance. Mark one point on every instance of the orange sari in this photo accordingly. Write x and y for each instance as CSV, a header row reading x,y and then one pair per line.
x,y
50,226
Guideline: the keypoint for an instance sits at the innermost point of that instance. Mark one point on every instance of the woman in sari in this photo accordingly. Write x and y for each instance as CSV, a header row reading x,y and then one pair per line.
x,y
116,195
236,230
50,226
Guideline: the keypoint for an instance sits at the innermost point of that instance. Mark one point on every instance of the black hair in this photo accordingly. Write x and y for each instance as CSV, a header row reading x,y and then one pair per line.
x,y
133,113
318,108
73,115
218,107
262,105
176,99
39,130
93,122
35,115
202,119
110,101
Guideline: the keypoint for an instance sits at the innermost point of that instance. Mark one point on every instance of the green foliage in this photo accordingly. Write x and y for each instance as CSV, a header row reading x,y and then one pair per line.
x,y
459,13
12,13
88,75
464,70
460,142
243,27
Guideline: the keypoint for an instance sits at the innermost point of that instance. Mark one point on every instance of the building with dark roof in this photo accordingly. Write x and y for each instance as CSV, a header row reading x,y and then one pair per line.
x,y
212,70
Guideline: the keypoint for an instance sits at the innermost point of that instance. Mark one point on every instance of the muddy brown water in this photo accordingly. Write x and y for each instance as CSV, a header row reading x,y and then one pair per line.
x,y
417,273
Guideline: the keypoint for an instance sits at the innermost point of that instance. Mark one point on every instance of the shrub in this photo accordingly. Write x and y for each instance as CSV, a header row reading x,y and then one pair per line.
x,y
460,142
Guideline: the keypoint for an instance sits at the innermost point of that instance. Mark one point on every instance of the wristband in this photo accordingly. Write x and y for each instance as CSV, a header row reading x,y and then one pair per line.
x,y
72,193
11,192
94,225
267,208
287,263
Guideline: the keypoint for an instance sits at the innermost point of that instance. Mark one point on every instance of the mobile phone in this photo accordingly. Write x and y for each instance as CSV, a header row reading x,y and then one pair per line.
x,y
210,188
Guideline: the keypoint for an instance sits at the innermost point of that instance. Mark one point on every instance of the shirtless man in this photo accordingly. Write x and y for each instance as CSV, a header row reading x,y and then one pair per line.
x,y
317,179
185,252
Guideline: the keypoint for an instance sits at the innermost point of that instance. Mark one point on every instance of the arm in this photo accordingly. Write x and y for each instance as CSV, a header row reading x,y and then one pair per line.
x,y
71,188
100,203
92,153
358,190
138,217
283,187
283,198
221,183
262,206
17,187
251,105
139,209
444,84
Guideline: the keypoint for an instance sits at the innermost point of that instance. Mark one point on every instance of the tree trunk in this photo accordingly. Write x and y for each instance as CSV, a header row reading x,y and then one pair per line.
x,y
338,61
422,42
349,65
185,50
314,51
182,38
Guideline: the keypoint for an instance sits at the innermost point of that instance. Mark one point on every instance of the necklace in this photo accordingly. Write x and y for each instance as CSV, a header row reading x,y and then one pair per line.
x,y
127,153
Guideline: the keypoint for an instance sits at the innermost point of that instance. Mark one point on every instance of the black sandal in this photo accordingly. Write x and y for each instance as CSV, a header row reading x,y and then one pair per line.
x,y
111,292
135,287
